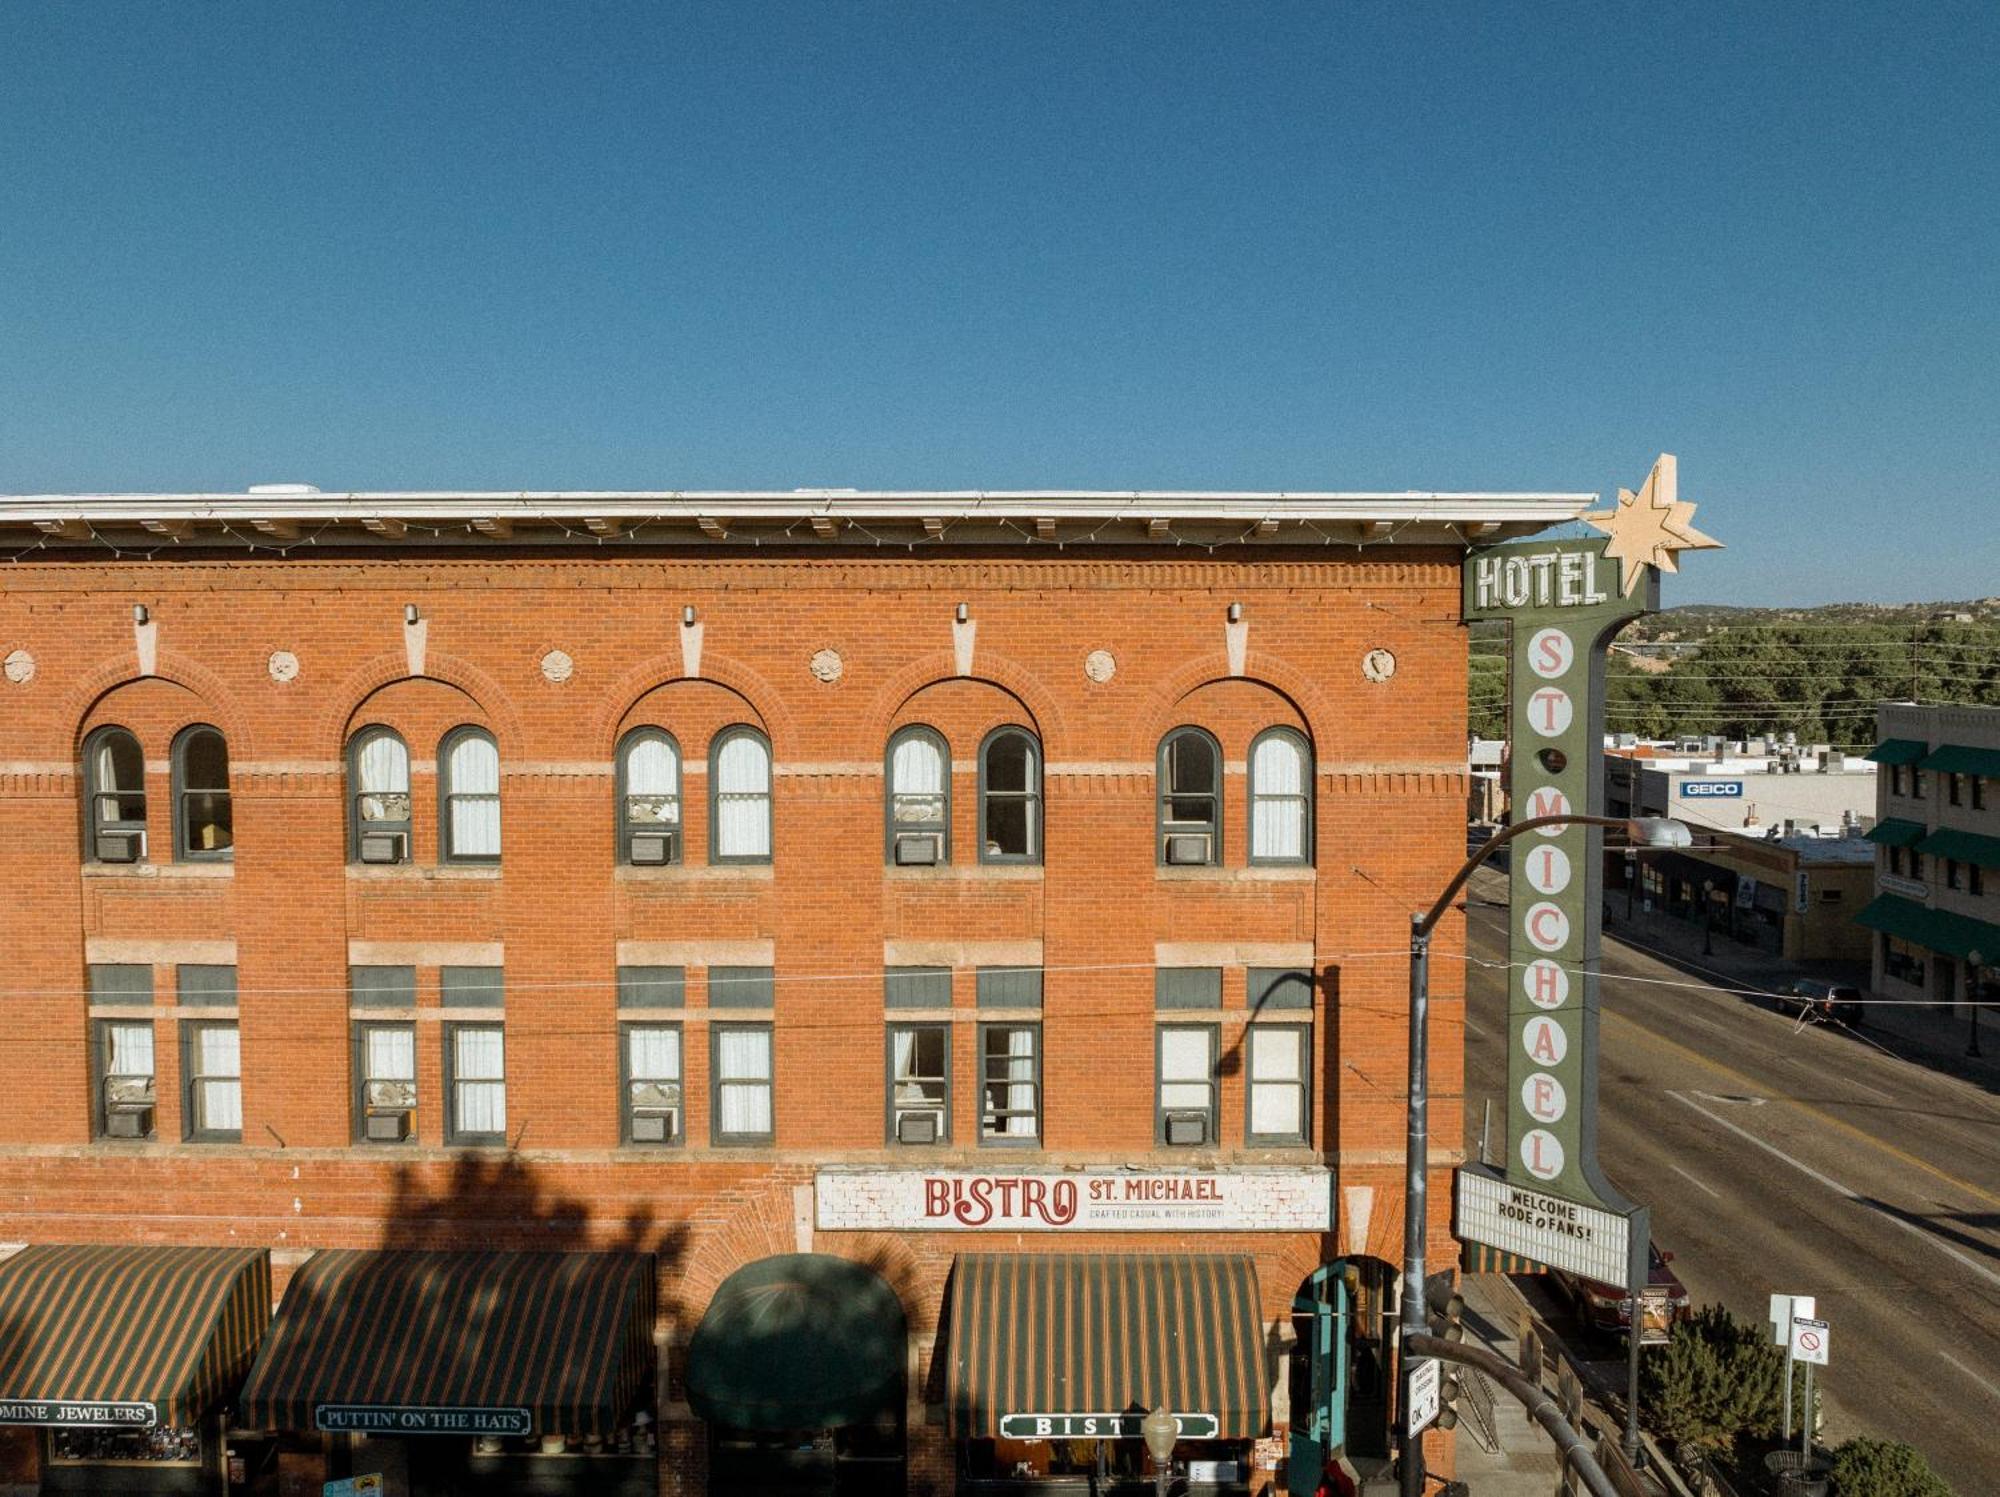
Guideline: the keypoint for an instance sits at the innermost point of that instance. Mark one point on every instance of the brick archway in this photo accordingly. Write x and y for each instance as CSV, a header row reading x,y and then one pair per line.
x,y
178,670
385,670
664,669
993,670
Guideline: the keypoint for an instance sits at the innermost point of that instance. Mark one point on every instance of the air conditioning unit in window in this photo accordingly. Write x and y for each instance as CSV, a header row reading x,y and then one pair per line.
x,y
1187,1128
918,849
385,847
129,1122
652,849
120,847
388,1127
656,1125
1189,847
916,1127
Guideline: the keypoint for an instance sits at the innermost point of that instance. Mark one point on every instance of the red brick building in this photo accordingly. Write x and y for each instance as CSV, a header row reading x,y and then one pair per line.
x,y
788,886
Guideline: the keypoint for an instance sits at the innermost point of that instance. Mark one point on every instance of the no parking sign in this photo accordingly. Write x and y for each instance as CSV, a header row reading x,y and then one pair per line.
x,y
1809,1338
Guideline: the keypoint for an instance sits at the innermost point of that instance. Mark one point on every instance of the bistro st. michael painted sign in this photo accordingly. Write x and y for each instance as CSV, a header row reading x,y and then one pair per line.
x,y
1563,601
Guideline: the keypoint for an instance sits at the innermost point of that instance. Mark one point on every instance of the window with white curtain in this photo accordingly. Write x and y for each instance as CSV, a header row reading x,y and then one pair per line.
x,y
214,1082
387,1059
1280,798
741,1067
115,779
476,1058
378,778
649,789
919,1082
740,797
469,796
1279,1054
1010,1105
653,1083
1187,1075
125,1066
920,792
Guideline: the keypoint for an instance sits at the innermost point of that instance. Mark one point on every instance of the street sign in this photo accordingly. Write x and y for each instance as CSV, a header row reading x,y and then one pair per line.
x,y
1784,1309
1420,1393
1809,1341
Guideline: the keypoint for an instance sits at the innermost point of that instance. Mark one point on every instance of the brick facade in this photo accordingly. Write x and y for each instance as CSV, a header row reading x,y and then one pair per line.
x,y
1098,915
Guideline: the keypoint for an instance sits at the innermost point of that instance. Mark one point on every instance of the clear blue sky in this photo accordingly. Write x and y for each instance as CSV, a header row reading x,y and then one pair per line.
x,y
1098,243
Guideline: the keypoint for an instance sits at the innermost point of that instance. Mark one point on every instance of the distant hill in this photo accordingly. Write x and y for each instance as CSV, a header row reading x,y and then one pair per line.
x,y
1694,620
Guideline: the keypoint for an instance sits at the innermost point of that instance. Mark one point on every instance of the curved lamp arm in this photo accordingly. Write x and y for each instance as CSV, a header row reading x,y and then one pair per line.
x,y
1641,831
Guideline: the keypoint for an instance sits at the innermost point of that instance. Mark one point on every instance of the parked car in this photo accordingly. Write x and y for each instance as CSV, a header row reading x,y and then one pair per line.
x,y
1608,1307
1826,1002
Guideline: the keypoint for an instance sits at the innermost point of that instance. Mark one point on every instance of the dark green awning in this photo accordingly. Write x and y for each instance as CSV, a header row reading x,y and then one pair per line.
x,y
1477,1257
1967,847
1106,1333
1895,832
562,1342
156,1335
801,1341
1936,930
1956,758
1898,751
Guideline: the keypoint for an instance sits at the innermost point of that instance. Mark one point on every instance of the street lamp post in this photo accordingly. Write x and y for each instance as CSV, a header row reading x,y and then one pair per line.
x,y
1708,917
1160,1430
1647,831
1973,962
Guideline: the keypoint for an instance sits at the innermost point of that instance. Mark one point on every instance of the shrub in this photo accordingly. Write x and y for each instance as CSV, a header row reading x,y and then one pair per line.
x,y
1717,1379
1868,1467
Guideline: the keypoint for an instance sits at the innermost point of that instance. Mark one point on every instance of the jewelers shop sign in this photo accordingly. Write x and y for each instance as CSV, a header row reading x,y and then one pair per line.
x,y
1087,1200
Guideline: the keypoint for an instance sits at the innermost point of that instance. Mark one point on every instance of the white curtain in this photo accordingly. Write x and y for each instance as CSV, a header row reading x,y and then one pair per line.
x,y
743,798
131,1050
917,767
1277,1073
1184,1067
1278,819
479,1070
384,765
652,782
744,1056
473,777
654,1054
391,1055
1021,1084
217,1066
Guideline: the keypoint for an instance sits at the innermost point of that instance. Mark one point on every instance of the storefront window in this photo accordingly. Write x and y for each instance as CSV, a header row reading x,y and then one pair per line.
x,y
1903,961
161,1445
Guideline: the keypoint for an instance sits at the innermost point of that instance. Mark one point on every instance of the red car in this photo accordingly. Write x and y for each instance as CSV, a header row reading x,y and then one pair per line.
x,y
1608,1307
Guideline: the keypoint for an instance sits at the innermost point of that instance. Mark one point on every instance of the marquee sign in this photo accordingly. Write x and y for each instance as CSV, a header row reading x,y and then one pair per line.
x,y
1563,601
1585,1240
1081,1200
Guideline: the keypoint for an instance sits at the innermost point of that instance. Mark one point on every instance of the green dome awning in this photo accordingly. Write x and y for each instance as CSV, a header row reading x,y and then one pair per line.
x,y
800,1341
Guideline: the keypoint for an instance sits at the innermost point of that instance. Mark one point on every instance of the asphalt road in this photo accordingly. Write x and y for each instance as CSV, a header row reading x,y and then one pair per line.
x,y
1796,1161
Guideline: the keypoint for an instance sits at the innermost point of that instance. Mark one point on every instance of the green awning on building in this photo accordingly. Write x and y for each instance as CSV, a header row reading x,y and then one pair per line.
x,y
1898,751
1936,930
1895,832
1956,758
1967,847
797,1342
1106,1334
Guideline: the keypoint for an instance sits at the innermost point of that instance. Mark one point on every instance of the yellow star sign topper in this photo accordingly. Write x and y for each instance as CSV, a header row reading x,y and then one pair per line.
x,y
1648,527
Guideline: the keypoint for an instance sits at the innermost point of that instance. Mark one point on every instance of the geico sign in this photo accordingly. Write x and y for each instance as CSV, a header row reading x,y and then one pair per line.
x,y
1712,790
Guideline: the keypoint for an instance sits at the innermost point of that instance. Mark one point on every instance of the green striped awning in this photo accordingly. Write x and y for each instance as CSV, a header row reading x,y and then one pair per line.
x,y
1959,758
1477,1257
156,1335
1898,751
1893,831
1967,847
1939,930
471,1342
1106,1333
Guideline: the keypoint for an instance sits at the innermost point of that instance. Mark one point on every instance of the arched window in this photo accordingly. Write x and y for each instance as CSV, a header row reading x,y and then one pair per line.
x,y
1280,798
115,796
649,797
469,797
1010,797
378,789
1190,806
739,789
919,807
204,828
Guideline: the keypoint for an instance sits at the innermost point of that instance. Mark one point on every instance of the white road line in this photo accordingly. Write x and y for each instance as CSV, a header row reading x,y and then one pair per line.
x,y
1995,1392
1838,1189
1698,1184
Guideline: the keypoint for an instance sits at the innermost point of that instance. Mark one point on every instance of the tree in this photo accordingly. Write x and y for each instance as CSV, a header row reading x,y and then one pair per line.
x,y
1868,1467
1718,1379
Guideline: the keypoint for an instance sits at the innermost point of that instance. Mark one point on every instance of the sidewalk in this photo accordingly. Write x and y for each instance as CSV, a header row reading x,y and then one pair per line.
x,y
1929,1035
1526,1465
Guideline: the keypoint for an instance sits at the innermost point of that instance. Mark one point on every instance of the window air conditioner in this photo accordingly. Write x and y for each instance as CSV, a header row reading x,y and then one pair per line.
x,y
916,1127
656,1126
1190,847
918,849
129,1122
388,1127
1185,1128
652,849
120,847
385,847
